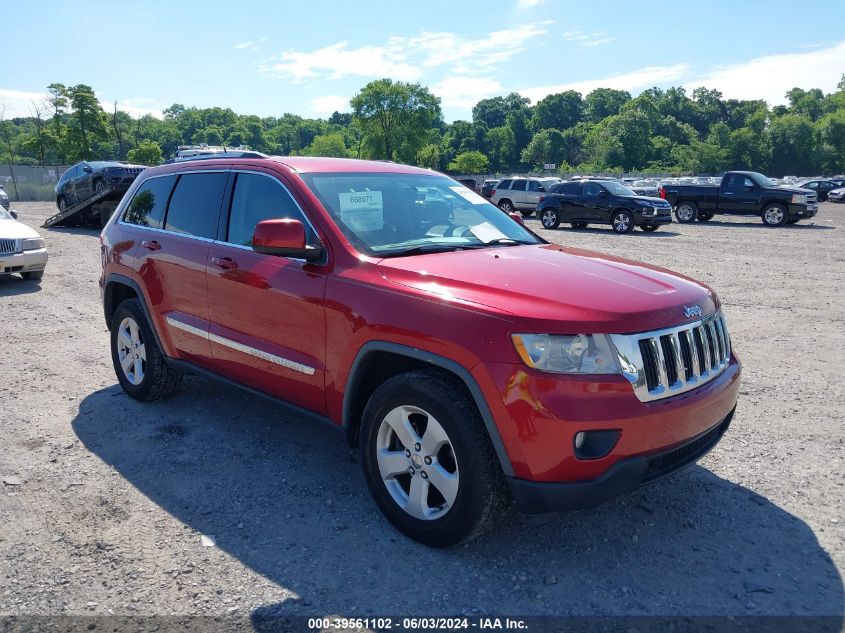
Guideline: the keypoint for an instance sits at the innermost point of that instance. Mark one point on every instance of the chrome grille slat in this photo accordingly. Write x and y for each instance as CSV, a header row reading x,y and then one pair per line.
x,y
8,246
674,360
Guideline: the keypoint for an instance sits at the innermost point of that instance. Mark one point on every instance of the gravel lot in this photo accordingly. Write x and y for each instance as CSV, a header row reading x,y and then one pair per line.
x,y
106,500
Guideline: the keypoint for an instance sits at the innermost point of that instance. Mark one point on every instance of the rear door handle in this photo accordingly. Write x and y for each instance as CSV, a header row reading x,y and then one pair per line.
x,y
224,262
151,245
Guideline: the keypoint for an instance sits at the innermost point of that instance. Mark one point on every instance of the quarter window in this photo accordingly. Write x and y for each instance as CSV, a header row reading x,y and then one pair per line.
x,y
258,198
147,205
195,204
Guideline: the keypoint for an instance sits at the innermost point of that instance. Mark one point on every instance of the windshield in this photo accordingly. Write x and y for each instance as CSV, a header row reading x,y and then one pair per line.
x,y
645,183
395,214
761,180
616,188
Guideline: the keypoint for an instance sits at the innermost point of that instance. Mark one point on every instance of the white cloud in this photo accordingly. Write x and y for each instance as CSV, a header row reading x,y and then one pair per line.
x,y
252,46
19,103
588,40
526,4
771,76
631,81
329,104
464,92
404,58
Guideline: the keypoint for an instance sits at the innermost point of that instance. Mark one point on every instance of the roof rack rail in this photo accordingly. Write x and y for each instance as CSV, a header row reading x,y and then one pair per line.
x,y
184,159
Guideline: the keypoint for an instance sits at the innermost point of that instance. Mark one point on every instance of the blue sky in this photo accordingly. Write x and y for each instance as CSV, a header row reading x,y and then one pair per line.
x,y
309,58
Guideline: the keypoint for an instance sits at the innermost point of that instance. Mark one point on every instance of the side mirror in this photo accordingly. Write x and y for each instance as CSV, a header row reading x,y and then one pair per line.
x,y
284,237
749,187
87,169
603,193
14,214
541,188
517,217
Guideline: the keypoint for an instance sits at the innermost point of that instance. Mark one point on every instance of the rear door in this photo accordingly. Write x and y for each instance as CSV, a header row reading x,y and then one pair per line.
x,y
570,204
739,195
267,314
171,259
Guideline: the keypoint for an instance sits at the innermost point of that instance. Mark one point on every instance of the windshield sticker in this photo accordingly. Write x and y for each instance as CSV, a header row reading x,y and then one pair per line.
x,y
468,195
362,210
486,232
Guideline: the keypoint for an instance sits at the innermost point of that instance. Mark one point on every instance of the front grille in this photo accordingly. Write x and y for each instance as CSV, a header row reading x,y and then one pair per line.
x,y
675,360
8,246
660,465
812,198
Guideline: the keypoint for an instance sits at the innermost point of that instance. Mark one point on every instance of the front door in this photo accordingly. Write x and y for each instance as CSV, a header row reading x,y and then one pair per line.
x,y
739,195
595,201
267,315
82,183
518,193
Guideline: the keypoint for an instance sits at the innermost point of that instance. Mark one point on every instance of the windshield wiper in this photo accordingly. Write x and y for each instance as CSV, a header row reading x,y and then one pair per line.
x,y
424,248
506,241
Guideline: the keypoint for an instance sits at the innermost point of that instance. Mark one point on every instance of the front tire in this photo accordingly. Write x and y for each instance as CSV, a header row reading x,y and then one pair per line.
x,y
775,215
622,222
61,204
428,461
33,275
99,185
139,364
686,212
550,218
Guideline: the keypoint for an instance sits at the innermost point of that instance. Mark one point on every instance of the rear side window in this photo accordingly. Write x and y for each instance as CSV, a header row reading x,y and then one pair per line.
x,y
258,198
591,190
571,188
147,205
518,185
195,204
504,184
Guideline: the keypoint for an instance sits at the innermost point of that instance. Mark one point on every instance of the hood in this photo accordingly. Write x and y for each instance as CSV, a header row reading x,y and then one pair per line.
x,y
797,190
14,230
557,290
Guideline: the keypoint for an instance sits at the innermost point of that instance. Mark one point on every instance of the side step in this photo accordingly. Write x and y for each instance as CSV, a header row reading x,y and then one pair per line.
x,y
79,207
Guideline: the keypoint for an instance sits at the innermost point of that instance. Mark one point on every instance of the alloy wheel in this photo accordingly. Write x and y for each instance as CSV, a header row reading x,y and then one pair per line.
x,y
774,215
417,463
621,222
131,351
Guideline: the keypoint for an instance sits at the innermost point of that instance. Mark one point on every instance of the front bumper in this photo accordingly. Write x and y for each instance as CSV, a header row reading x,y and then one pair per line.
x,y
663,217
803,210
27,261
625,476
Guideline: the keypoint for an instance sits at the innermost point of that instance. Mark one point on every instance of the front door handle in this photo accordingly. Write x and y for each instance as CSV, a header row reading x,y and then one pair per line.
x,y
224,262
151,245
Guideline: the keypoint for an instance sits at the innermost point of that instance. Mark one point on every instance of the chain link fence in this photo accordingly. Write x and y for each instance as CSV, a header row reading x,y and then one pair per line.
x,y
24,183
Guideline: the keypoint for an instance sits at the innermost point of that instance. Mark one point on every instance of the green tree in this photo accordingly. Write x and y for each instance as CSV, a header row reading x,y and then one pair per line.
x,y
395,117
831,131
792,140
146,153
558,111
429,156
604,102
501,144
328,145
470,163
88,125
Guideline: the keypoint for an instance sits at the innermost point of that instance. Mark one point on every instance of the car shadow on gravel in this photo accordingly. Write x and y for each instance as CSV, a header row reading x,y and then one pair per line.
x,y
286,498
13,285
800,226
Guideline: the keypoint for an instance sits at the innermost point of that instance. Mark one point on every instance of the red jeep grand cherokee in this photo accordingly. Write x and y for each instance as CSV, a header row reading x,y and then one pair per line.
x,y
469,359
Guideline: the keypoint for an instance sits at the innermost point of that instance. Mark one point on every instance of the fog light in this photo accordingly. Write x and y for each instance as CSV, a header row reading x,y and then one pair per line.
x,y
580,438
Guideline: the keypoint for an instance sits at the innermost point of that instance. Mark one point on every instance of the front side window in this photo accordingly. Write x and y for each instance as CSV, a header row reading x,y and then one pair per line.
x,y
147,205
591,190
258,198
400,214
533,185
195,204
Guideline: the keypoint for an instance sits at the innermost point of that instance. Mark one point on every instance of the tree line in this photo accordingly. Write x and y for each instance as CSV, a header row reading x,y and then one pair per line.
x,y
607,130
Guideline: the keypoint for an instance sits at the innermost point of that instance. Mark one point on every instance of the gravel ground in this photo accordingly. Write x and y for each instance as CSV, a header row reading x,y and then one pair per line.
x,y
106,500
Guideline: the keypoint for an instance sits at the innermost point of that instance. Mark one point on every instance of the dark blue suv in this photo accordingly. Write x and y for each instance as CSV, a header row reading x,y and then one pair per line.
x,y
85,179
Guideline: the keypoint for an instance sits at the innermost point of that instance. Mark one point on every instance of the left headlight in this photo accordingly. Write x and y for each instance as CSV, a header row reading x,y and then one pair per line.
x,y
32,244
559,354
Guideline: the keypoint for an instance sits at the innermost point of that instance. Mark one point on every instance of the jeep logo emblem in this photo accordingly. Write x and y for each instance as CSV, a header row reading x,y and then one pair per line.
x,y
692,311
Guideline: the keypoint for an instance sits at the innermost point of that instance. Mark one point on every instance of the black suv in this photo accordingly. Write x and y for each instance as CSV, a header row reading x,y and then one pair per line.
x,y
601,202
821,187
85,179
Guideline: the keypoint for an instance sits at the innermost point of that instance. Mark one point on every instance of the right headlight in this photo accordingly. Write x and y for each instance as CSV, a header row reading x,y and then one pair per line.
x,y
32,244
799,198
567,354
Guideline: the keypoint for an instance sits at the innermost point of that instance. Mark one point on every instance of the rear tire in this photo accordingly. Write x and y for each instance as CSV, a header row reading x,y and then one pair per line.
x,y
139,364
649,228
34,275
622,222
550,218
527,213
579,225
704,217
440,444
506,205
775,215
686,212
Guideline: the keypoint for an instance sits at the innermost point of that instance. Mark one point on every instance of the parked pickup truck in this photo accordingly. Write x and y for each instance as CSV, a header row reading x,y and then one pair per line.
x,y
742,193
